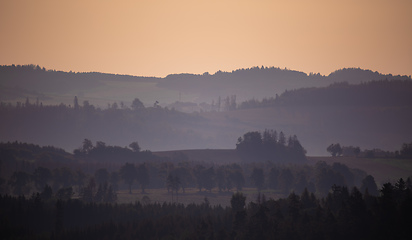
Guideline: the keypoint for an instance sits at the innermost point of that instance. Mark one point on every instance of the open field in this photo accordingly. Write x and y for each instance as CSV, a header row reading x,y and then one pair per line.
x,y
192,195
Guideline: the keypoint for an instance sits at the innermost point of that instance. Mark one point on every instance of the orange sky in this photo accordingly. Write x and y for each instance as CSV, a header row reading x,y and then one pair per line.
x,y
155,37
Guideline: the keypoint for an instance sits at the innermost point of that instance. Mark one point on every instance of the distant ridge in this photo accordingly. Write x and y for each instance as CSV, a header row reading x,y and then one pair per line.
x,y
358,75
18,82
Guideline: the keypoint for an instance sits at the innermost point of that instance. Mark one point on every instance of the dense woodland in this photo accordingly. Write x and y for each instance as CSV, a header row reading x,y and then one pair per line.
x,y
342,214
48,193
383,93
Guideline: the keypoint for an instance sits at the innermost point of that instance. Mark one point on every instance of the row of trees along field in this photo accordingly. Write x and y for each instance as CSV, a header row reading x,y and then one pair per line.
x,y
27,168
66,183
337,150
342,214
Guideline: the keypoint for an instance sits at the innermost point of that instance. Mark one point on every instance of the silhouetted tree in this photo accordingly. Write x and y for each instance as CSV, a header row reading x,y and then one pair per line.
x,y
137,104
135,146
282,139
129,173
102,176
47,193
205,177
87,193
296,152
357,151
87,146
369,184
27,103
294,206
143,176
258,178
197,172
79,179
76,103
250,146
334,149
184,175
111,195
238,202
222,179
273,178
286,180
41,176
345,172
63,178
406,150
325,178
114,180
208,177
20,182
237,178
173,183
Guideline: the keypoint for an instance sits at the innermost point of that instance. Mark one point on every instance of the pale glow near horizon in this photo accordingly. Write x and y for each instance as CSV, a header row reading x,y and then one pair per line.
x,y
156,38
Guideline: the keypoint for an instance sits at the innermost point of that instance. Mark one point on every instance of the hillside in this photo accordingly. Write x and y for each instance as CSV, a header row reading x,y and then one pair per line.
x,y
374,114
55,87
370,115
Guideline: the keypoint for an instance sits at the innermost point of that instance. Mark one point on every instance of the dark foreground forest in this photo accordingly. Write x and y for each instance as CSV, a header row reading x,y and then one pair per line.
x,y
342,214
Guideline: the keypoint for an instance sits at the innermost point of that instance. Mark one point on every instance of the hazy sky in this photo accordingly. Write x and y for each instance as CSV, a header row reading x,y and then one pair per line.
x,y
155,38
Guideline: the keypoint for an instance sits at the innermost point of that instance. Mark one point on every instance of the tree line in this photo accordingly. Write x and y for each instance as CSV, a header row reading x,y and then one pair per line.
x,y
336,150
368,94
82,175
270,146
344,213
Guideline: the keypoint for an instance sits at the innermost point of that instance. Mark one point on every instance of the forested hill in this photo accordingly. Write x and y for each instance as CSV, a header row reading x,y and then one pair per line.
x,y
375,114
39,79
375,93
384,93
54,87
265,82
64,126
